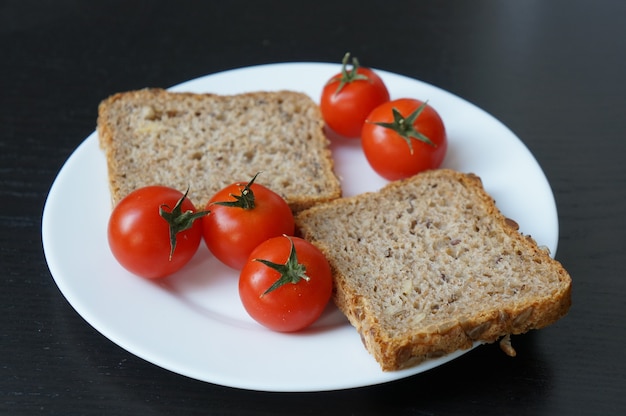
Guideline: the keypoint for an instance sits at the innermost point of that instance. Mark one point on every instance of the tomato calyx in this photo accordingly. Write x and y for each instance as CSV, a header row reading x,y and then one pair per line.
x,y
405,128
245,200
348,75
178,220
290,272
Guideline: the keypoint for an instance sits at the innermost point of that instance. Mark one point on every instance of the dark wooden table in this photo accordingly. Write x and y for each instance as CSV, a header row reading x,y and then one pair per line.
x,y
553,71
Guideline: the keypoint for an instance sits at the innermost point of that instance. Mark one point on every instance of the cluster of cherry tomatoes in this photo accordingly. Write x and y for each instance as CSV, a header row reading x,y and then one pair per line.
x,y
285,282
400,137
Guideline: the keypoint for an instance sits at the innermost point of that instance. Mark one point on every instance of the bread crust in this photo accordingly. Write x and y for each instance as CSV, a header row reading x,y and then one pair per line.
x,y
419,333
207,141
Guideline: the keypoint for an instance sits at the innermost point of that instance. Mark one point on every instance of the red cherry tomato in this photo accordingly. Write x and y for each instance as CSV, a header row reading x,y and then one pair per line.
x,y
403,137
243,215
141,238
286,284
348,97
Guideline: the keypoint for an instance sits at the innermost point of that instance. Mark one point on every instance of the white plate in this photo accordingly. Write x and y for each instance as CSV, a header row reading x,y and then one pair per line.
x,y
193,323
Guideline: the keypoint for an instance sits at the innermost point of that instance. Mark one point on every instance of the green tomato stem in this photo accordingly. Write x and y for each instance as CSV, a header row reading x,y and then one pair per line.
x,y
290,272
178,220
244,200
348,75
405,127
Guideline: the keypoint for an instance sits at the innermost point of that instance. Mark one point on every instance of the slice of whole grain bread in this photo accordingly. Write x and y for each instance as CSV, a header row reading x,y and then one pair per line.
x,y
429,265
205,142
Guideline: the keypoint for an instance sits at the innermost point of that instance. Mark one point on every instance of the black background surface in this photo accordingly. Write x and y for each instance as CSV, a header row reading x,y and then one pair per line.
x,y
552,71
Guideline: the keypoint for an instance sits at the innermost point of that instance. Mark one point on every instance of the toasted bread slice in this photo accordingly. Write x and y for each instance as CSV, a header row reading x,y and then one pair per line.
x,y
206,141
429,265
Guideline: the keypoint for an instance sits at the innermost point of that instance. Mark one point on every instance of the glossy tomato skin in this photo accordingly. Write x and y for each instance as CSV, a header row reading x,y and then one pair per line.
x,y
389,154
291,307
139,237
231,233
345,111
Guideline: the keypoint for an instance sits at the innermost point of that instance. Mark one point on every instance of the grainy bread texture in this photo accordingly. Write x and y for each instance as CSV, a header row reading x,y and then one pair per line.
x,y
205,142
429,265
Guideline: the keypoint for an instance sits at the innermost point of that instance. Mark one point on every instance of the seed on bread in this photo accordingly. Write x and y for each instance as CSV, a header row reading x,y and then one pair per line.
x,y
506,346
